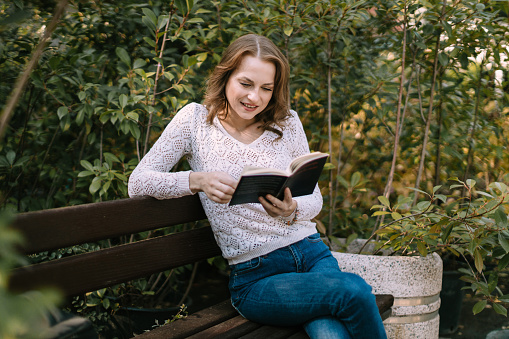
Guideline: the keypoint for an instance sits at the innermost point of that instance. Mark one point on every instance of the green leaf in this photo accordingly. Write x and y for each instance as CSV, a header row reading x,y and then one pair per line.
x,y
21,161
148,12
62,112
87,165
377,213
479,306
95,185
480,7
182,6
418,190
139,63
120,176
499,185
396,215
85,174
65,123
355,179
501,218
500,309
441,197
110,157
151,42
133,116
122,100
470,183
448,231
503,242
168,76
423,205
384,201
106,303
485,194
195,20
4,162
101,292
162,21
443,58
123,56
503,262
150,24
135,130
504,298
447,28
80,117
202,11
10,156
436,188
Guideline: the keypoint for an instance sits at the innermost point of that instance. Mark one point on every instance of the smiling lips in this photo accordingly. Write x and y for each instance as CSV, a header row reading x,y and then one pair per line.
x,y
248,106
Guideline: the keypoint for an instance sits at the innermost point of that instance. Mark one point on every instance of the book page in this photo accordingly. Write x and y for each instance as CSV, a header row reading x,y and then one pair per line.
x,y
252,170
298,162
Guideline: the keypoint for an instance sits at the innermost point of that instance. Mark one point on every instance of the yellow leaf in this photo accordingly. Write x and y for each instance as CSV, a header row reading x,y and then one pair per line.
x,y
288,31
479,265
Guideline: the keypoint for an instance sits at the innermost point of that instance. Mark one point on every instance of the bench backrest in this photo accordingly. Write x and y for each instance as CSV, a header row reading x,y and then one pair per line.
x,y
63,227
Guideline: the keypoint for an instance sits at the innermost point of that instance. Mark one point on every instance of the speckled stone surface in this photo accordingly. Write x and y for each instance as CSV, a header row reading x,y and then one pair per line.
x,y
415,283
422,330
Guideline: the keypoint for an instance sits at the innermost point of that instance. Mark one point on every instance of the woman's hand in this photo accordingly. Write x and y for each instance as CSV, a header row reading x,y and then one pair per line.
x,y
218,186
279,208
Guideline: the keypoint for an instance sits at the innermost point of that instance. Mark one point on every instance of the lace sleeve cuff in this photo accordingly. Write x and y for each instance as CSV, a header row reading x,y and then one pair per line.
x,y
183,182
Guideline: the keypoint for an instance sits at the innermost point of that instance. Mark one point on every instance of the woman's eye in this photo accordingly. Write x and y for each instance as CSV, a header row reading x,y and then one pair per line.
x,y
267,89
244,84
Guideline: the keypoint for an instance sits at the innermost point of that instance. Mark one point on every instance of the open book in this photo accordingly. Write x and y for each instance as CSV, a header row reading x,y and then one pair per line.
x,y
301,176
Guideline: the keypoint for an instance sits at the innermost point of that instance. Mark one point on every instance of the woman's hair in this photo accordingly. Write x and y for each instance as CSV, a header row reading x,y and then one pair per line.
x,y
278,108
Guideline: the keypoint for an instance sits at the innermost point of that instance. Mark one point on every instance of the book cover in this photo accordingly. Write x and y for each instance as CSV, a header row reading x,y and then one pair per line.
x,y
301,177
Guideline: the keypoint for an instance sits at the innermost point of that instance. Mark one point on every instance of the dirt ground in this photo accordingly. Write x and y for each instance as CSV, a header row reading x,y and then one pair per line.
x,y
478,326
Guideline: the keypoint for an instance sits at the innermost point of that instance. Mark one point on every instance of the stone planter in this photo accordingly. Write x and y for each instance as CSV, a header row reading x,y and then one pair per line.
x,y
415,283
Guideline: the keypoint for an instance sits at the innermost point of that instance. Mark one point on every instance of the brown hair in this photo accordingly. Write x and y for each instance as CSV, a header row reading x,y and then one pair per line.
x,y
278,108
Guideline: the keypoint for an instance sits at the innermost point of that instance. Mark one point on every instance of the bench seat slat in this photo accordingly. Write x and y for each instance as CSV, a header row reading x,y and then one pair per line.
x,y
272,332
299,335
384,303
194,323
66,226
231,329
94,270
208,323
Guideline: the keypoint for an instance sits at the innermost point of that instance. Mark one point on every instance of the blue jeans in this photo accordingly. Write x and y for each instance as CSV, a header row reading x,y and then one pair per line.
x,y
301,284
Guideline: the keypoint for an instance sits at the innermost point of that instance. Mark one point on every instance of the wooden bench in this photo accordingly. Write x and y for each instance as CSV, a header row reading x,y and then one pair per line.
x,y
53,229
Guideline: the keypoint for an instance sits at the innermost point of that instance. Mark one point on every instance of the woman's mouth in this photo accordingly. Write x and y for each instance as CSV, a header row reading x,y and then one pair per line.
x,y
248,106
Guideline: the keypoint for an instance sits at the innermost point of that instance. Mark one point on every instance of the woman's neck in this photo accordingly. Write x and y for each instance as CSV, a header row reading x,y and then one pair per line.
x,y
245,131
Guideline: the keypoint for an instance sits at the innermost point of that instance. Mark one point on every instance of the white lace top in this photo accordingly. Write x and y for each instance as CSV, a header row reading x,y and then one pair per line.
x,y
245,231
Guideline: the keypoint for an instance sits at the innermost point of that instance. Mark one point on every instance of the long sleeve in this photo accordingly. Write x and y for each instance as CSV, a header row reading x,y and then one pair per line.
x,y
152,176
308,205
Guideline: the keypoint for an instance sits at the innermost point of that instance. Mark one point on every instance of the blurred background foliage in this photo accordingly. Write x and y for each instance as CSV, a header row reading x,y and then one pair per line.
x,y
400,93
432,75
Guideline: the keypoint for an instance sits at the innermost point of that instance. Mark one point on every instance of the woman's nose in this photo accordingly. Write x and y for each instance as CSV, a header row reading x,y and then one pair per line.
x,y
253,95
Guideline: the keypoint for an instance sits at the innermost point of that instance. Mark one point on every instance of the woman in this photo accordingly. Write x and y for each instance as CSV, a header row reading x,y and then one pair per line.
x,y
281,272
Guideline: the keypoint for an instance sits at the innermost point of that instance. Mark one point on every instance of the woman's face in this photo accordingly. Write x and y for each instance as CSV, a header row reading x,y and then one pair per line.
x,y
249,88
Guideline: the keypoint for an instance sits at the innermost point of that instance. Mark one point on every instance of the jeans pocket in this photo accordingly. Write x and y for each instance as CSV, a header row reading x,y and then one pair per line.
x,y
245,266
313,238
244,274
